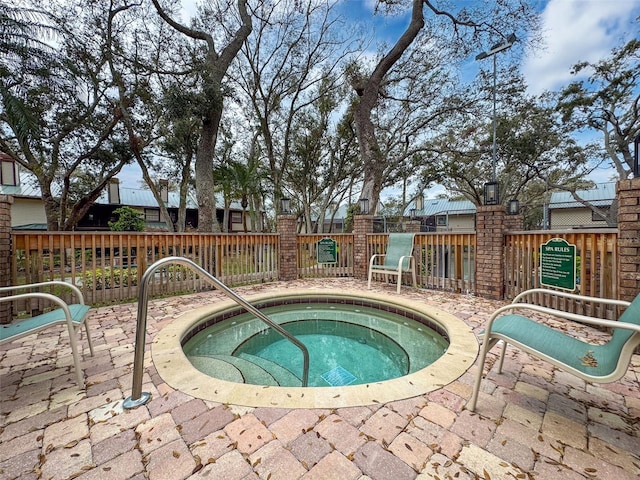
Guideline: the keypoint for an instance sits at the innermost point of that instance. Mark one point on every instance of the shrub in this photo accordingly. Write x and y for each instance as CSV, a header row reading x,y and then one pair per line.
x,y
129,220
110,278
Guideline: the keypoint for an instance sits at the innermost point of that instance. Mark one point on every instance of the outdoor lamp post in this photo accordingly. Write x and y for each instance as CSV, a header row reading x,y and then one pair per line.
x,y
285,205
412,214
514,207
491,193
364,206
497,48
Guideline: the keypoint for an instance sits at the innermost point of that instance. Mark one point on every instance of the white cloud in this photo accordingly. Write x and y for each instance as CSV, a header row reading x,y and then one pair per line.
x,y
574,31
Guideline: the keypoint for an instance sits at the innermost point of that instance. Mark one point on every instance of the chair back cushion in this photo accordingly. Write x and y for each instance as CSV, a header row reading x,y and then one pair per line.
x,y
400,245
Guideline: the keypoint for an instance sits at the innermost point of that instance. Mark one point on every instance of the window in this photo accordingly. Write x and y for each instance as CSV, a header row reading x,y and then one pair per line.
x,y
8,173
152,214
441,220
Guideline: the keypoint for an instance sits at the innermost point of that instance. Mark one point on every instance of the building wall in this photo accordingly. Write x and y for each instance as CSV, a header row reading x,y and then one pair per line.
x,y
27,210
573,217
458,223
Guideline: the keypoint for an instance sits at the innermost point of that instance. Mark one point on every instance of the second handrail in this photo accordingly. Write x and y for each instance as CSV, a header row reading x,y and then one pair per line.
x,y
138,397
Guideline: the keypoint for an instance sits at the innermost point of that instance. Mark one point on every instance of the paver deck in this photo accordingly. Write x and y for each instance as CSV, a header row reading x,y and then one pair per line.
x,y
532,421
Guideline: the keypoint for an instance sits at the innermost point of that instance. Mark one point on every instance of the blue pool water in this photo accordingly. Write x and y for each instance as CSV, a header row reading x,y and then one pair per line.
x,y
348,345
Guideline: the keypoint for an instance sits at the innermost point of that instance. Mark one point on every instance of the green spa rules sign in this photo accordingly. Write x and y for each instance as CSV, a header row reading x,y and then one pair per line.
x,y
558,264
327,251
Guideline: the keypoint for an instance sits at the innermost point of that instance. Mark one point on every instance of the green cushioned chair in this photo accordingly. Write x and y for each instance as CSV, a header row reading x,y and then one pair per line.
x,y
74,316
594,363
398,259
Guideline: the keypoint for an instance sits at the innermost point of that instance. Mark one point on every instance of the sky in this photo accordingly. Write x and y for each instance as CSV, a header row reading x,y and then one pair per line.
x,y
573,31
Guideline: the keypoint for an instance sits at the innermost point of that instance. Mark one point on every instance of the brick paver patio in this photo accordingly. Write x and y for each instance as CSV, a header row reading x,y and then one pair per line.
x,y
533,422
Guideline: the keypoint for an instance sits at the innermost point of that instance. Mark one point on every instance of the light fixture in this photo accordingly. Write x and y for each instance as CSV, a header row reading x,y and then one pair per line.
x,y
636,144
498,47
514,207
491,193
285,205
412,214
364,206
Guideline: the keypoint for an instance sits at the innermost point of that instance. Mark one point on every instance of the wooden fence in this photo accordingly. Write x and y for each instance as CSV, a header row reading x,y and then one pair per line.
x,y
107,266
596,263
444,260
308,265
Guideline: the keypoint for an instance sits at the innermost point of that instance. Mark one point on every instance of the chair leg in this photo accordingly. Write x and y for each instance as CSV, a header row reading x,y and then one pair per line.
x,y
86,328
502,353
486,346
399,281
413,272
76,355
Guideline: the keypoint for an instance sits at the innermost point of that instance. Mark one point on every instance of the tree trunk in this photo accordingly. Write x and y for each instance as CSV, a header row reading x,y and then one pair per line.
x,y
205,187
368,89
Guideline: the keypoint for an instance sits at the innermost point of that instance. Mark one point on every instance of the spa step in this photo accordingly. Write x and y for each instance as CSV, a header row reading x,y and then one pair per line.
x,y
217,368
251,372
284,376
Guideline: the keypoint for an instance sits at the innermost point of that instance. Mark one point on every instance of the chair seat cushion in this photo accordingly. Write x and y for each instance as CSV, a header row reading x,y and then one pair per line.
x,y
590,359
39,322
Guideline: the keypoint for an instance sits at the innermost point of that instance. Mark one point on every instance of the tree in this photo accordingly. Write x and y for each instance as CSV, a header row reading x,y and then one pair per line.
x,y
462,31
324,160
293,47
178,133
535,150
129,220
211,64
60,122
608,101
137,102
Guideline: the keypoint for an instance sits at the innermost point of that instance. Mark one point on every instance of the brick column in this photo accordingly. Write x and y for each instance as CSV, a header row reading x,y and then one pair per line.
x,y
286,227
490,228
5,253
513,222
629,238
412,226
362,225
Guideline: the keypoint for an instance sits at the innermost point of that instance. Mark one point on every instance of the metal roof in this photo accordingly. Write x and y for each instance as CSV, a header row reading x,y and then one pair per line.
x,y
135,197
138,197
602,195
444,206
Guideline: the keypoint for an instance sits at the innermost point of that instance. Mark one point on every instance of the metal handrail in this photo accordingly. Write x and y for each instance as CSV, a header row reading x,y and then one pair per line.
x,y
138,397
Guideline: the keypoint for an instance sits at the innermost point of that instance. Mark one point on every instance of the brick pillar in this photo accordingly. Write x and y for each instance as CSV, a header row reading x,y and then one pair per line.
x,y
629,238
5,253
362,225
490,228
412,226
513,222
286,227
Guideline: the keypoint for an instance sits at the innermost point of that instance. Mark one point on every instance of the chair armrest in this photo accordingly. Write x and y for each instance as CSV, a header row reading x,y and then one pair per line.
x,y
373,258
401,261
46,296
573,296
76,291
559,314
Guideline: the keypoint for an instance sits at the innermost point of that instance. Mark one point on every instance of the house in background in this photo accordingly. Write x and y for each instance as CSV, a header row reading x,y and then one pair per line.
x,y
444,215
567,212
27,210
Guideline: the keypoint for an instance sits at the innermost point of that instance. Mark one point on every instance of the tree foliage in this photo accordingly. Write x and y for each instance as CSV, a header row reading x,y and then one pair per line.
x,y
129,220
608,101
60,122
